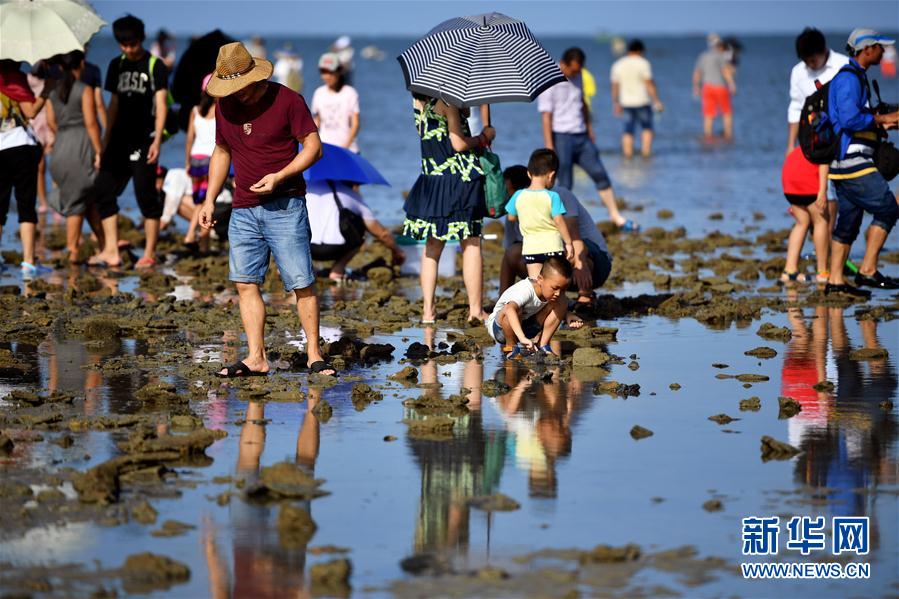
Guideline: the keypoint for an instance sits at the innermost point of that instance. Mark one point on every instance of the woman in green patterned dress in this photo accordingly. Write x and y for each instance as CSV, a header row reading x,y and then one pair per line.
x,y
447,201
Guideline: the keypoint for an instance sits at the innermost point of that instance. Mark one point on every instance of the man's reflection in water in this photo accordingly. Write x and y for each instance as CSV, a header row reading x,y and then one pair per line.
x,y
848,440
452,471
262,567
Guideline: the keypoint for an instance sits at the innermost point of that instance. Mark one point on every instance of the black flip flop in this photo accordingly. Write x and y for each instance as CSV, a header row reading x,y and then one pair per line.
x,y
319,365
238,370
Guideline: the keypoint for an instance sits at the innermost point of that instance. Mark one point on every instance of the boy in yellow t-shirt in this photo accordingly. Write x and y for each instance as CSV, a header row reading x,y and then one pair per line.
x,y
539,213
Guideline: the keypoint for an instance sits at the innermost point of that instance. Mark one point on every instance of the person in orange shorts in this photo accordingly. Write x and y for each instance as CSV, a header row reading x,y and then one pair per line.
x,y
715,73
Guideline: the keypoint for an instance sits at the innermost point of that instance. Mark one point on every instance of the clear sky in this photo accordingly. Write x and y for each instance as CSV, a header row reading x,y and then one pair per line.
x,y
547,17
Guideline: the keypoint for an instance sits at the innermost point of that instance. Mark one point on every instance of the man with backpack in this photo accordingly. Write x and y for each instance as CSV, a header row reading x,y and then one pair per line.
x,y
136,120
817,64
859,186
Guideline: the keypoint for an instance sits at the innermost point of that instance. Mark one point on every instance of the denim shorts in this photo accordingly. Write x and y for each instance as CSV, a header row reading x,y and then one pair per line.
x,y
530,326
279,227
640,115
577,148
602,263
868,193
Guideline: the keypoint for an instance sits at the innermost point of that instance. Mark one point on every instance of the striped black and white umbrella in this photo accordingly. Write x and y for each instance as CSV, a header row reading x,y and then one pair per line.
x,y
481,59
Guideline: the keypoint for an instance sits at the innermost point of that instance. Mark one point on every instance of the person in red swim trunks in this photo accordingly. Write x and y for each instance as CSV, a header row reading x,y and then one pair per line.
x,y
715,73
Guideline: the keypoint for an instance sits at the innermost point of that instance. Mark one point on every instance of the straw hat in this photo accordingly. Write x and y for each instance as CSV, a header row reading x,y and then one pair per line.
x,y
235,69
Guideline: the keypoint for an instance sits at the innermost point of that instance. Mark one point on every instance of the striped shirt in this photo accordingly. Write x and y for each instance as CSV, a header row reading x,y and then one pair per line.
x,y
848,107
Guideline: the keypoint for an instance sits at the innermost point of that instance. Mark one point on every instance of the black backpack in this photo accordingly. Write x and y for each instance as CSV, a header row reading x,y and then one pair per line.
x,y
819,140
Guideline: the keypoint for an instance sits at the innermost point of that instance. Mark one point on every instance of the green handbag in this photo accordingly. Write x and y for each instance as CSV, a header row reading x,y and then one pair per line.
x,y
494,186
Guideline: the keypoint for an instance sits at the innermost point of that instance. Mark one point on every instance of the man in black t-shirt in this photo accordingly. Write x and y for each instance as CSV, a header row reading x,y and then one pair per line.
x,y
135,121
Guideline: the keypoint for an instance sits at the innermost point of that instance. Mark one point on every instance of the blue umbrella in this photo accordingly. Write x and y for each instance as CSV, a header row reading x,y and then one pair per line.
x,y
340,164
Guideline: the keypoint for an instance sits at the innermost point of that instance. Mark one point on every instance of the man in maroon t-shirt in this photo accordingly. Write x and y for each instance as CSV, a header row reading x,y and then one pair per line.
x,y
258,125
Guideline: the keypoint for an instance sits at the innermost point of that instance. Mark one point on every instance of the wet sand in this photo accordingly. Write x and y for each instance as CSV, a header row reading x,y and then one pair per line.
x,y
700,393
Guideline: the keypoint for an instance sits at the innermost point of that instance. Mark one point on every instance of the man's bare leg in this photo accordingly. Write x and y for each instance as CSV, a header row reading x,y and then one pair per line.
x,y
307,309
607,196
876,237
627,145
728,120
646,137
252,314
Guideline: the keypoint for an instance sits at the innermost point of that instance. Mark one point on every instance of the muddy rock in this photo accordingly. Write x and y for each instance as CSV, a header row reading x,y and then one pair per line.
x,y
789,407
186,422
494,388
722,418
869,353
380,275
407,374
617,389
376,352
433,428
770,331
146,572
418,351
427,564
362,394
172,528
100,328
665,214
6,444
713,505
64,441
674,386
607,554
101,483
190,444
765,353
332,578
753,404
323,411
144,513
589,356
295,527
752,378
772,449
50,496
159,392
638,432
825,386
494,503
284,480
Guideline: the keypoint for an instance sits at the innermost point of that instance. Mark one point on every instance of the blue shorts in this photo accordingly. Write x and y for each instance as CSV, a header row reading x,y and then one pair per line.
x,y
577,148
602,264
280,227
641,115
868,193
530,326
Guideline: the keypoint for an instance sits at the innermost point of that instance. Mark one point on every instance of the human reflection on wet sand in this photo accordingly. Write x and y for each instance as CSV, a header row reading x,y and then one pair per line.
x,y
453,471
848,439
538,412
262,567
533,420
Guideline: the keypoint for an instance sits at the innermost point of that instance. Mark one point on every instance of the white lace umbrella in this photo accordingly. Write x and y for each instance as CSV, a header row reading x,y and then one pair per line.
x,y
31,30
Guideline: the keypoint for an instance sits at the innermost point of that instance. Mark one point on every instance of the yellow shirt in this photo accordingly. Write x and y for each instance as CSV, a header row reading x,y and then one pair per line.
x,y
535,210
